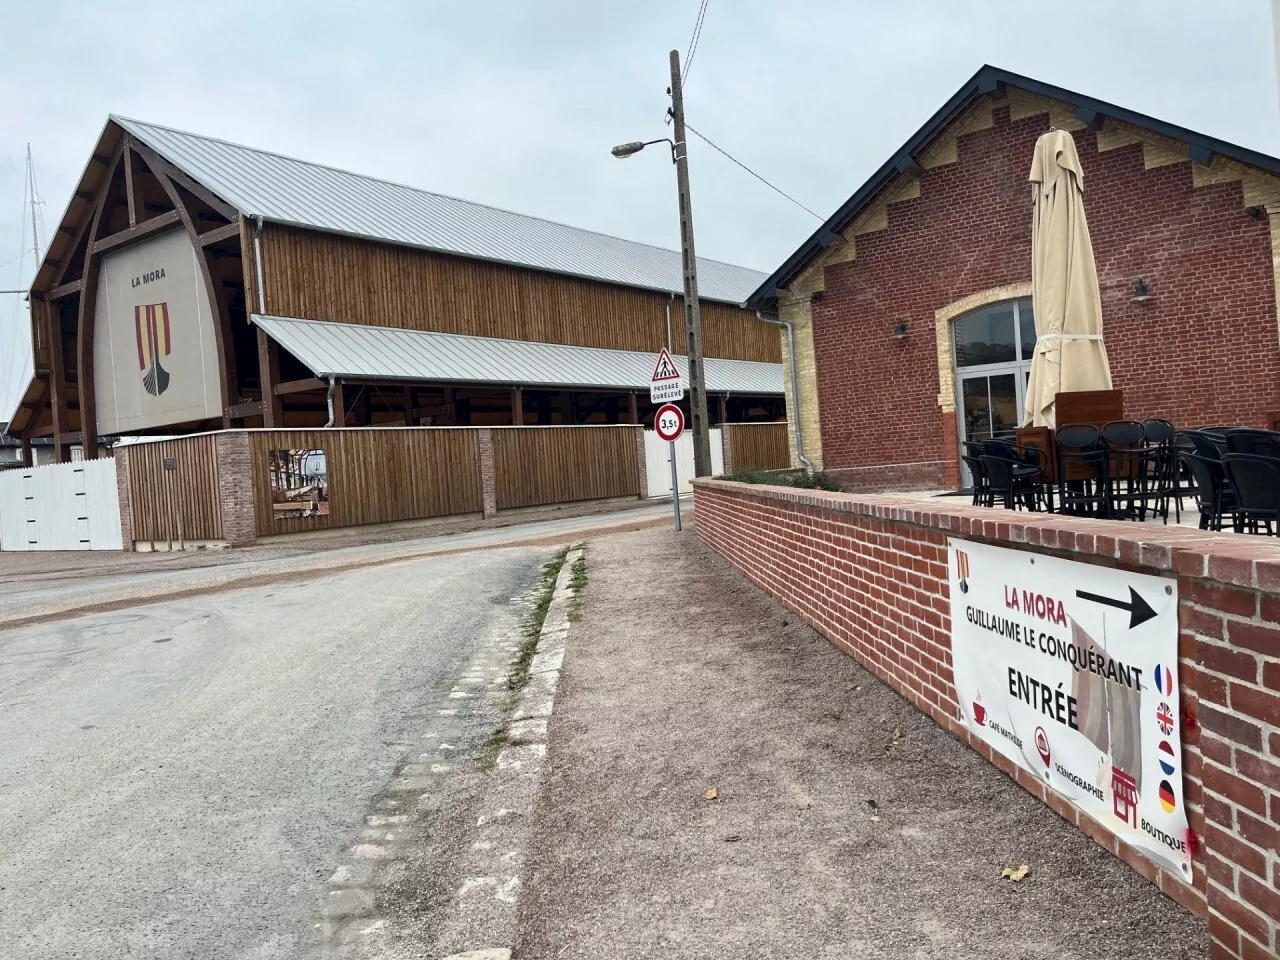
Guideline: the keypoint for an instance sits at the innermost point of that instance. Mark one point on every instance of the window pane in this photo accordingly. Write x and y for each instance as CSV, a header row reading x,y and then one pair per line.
x,y
1027,328
977,409
1004,406
986,336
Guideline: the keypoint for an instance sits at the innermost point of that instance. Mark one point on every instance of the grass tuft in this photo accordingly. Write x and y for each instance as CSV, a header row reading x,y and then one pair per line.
x,y
518,676
577,580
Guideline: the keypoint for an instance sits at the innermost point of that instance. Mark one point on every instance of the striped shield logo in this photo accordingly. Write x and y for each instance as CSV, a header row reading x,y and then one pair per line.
x,y
962,568
151,324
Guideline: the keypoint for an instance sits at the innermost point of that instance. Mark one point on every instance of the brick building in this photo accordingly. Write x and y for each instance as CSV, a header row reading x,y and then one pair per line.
x,y
911,305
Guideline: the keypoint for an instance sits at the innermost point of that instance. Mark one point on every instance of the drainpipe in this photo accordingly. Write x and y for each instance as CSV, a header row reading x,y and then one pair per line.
x,y
670,300
257,263
795,385
329,399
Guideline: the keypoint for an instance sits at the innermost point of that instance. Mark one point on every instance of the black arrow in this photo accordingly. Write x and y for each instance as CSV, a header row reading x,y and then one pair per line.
x,y
1139,610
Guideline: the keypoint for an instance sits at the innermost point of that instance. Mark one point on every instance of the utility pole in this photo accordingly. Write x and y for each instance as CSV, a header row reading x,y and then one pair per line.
x,y
698,421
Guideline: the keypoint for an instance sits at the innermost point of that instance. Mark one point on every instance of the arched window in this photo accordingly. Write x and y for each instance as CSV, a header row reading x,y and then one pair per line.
x,y
993,348
999,333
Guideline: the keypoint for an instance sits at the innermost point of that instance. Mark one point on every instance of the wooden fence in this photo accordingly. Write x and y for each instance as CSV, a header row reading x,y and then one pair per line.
x,y
177,504
220,487
539,465
375,475
756,446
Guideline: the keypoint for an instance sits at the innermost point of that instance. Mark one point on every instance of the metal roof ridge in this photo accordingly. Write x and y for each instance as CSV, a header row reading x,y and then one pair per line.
x,y
255,317
120,119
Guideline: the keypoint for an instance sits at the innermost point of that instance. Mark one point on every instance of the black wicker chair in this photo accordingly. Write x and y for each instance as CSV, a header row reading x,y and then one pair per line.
x,y
1030,469
1256,484
1082,471
1169,483
1014,483
1134,471
1204,442
982,496
1213,497
1257,443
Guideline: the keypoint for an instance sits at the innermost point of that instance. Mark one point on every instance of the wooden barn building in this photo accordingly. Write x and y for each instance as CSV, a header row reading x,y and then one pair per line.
x,y
195,284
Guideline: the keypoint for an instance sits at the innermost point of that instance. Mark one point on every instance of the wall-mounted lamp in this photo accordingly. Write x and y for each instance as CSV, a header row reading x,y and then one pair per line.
x,y
1140,292
900,331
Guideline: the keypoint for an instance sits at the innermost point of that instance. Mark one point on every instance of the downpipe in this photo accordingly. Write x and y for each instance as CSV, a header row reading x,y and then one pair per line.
x,y
795,386
257,266
670,300
329,399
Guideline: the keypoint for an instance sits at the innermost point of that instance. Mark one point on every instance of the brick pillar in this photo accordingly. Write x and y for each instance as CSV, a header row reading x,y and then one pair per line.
x,y
235,488
124,495
642,463
488,481
950,451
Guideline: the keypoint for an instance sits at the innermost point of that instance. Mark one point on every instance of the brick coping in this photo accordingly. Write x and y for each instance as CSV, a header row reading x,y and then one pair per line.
x,y
1231,558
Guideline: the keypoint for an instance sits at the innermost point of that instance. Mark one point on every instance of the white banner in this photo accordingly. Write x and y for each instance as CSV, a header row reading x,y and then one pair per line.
x,y
155,353
1071,671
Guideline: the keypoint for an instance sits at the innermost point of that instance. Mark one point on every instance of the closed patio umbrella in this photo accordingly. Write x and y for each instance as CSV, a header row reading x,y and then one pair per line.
x,y
1069,352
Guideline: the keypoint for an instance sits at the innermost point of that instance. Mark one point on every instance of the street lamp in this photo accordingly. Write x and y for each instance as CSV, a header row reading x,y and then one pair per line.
x,y
698,420
624,150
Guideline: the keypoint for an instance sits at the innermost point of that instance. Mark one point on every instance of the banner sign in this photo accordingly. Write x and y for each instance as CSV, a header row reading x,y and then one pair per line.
x,y
155,351
1071,671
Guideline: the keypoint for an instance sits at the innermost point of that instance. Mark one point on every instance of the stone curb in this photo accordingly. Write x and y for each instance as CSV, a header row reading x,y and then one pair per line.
x,y
505,822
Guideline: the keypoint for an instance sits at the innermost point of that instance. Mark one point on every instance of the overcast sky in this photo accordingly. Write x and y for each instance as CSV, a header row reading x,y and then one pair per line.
x,y
515,103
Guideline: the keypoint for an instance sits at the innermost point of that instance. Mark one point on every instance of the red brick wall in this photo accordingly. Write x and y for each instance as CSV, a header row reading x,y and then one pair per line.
x,y
869,573
1203,350
235,487
123,495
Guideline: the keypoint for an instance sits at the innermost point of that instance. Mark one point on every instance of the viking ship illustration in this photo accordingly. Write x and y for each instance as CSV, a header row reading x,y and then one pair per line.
x,y
151,322
1110,716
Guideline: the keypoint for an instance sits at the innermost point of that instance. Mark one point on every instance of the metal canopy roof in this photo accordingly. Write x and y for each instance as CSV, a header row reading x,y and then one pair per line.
x,y
355,351
988,79
284,190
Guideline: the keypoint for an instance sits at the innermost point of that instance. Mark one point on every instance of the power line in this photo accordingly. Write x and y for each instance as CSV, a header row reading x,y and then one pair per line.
x,y
703,137
693,42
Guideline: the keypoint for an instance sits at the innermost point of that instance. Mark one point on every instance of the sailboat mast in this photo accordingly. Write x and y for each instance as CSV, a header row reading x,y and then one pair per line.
x,y
31,186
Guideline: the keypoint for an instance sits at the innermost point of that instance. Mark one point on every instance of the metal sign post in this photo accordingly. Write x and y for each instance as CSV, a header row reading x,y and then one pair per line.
x,y
668,424
675,484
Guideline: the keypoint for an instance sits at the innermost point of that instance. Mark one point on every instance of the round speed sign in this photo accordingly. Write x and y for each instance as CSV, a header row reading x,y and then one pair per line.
x,y
668,422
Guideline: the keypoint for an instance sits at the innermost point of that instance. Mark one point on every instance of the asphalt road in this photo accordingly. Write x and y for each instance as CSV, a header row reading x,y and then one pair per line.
x,y
180,779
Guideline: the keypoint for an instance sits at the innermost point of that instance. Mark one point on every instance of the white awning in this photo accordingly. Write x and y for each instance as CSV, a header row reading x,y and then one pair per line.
x,y
354,351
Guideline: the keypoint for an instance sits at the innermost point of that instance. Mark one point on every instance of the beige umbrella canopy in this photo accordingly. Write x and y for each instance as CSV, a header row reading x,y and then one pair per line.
x,y
1069,351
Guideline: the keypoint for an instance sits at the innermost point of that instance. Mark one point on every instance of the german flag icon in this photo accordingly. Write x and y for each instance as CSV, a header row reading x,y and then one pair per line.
x,y
1167,799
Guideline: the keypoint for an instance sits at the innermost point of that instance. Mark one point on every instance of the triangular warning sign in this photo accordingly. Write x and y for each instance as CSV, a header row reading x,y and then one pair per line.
x,y
665,369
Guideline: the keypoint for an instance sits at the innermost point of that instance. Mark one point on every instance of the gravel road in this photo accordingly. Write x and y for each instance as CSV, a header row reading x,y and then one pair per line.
x,y
38,585
179,780
846,824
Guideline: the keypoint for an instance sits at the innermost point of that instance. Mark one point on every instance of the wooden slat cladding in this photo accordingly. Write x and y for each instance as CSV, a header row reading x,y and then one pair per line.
x,y
376,476
535,465
758,446
177,504
319,276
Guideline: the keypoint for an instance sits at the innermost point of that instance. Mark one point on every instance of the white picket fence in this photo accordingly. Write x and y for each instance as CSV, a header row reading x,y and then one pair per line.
x,y
657,461
60,506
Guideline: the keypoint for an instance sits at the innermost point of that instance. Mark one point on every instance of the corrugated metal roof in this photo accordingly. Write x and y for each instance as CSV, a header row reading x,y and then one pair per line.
x,y
292,191
351,350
